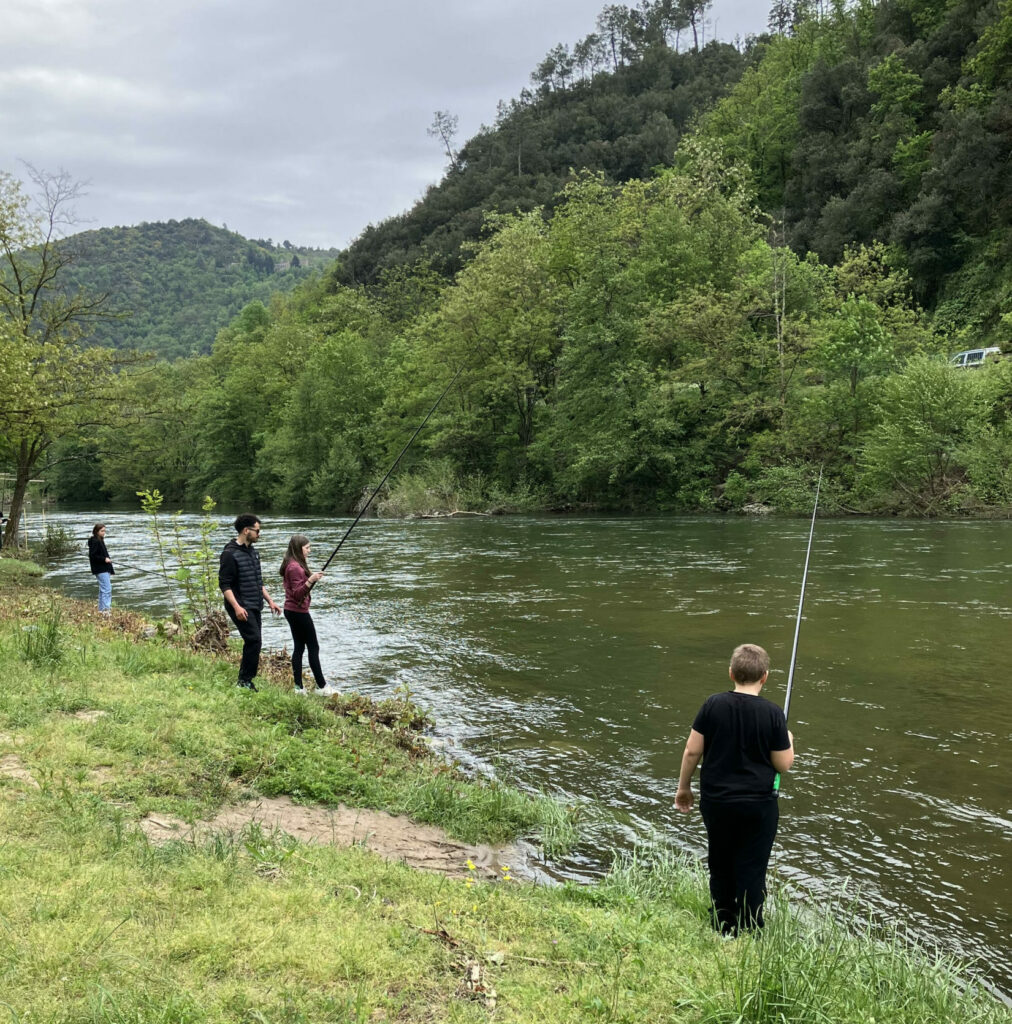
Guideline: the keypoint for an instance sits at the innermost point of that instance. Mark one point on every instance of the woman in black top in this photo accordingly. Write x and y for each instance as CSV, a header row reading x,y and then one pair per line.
x,y
101,566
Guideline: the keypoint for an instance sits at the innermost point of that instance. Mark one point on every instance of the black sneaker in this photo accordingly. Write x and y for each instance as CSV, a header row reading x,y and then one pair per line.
x,y
246,684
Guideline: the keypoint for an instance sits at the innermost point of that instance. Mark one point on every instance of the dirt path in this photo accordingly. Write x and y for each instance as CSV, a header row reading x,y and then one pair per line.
x,y
395,838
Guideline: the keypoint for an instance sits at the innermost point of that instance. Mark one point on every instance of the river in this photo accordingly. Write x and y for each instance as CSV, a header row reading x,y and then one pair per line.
x,y
570,654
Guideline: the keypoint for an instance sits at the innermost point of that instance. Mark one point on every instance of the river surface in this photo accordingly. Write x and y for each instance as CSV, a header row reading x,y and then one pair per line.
x,y
571,654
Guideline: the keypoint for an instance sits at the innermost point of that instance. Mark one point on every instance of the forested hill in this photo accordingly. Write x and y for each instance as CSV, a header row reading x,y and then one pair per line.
x,y
177,284
617,103
863,121
890,121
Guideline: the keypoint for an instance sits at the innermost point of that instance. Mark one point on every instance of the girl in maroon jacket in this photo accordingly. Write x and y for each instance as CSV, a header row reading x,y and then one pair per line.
x,y
298,580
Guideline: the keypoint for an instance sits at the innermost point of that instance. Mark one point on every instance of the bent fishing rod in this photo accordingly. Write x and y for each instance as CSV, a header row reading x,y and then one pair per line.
x,y
797,625
386,477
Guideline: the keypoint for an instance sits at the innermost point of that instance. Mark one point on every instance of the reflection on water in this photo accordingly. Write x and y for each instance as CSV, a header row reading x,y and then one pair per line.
x,y
573,653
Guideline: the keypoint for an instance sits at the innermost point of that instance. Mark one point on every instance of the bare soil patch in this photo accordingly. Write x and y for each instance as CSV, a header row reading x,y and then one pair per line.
x,y
395,838
90,716
13,767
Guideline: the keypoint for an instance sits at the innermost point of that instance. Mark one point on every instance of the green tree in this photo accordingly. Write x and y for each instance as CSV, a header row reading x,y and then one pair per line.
x,y
155,445
931,414
500,321
50,388
327,440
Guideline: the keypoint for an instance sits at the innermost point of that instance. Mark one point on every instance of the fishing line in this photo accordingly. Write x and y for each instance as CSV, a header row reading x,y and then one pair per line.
x,y
146,572
379,486
801,605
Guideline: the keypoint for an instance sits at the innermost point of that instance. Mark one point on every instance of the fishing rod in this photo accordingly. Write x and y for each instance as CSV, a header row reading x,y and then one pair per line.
x,y
379,486
146,572
797,625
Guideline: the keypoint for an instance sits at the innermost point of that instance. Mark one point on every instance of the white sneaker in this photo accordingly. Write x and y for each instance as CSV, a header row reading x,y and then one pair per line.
x,y
327,691
300,690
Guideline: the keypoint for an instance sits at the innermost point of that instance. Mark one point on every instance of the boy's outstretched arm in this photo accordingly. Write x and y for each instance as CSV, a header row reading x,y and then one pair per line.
x,y
690,758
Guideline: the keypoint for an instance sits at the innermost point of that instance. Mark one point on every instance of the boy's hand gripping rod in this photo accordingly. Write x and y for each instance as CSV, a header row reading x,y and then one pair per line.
x,y
379,486
797,626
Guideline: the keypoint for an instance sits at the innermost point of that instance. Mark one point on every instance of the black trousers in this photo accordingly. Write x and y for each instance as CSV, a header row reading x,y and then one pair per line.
x,y
304,639
740,838
250,631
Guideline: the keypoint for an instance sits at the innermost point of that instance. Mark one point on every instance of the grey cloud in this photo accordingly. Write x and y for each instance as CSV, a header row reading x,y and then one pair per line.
x,y
304,121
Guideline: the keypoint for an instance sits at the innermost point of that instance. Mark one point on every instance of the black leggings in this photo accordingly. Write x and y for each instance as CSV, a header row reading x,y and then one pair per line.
x,y
304,639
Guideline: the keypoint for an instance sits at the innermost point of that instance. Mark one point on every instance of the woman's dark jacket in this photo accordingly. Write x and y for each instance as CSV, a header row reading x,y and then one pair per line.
x,y
239,571
97,555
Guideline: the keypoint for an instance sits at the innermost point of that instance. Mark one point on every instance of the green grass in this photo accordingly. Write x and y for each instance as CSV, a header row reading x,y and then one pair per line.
x,y
17,572
98,925
175,736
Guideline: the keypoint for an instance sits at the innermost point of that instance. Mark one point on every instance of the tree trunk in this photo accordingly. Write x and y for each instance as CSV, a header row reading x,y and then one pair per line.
x,y
22,474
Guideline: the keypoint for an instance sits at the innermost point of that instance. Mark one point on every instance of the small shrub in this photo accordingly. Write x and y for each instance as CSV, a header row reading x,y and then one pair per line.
x,y
437,488
790,489
736,489
432,489
57,542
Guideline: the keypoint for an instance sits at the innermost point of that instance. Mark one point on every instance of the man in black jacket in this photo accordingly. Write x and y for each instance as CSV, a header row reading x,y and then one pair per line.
x,y
242,584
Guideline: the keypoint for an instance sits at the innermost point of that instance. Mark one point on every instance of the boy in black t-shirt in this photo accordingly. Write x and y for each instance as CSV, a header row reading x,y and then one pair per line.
x,y
744,741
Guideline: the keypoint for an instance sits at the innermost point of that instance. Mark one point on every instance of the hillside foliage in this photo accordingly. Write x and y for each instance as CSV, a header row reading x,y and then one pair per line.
x,y
622,116
674,276
174,285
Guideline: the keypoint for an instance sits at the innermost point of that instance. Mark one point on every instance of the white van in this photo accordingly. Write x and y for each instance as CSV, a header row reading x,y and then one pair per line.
x,y
973,358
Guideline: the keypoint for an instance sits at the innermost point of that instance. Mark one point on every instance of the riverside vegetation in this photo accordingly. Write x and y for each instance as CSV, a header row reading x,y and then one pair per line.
x,y
100,727
678,276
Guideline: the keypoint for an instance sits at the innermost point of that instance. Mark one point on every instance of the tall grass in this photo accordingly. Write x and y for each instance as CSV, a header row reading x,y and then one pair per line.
x,y
44,643
488,811
653,871
833,966
16,571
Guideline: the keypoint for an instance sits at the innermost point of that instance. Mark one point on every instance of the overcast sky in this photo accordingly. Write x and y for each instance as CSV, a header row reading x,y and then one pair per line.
x,y
297,119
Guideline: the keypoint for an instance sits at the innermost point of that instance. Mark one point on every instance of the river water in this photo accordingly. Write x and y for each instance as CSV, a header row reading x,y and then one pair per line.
x,y
571,654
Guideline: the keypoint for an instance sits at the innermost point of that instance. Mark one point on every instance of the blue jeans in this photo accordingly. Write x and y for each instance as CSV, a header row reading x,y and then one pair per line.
x,y
104,591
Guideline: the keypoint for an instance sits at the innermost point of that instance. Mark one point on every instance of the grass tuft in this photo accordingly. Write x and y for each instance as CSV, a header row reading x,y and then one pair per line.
x,y
43,643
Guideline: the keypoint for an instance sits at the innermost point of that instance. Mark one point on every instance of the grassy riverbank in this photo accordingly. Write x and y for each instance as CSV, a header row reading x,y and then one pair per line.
x,y
16,572
99,730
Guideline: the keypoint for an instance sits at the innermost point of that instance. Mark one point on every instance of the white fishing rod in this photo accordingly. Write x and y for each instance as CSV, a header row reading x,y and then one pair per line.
x,y
797,625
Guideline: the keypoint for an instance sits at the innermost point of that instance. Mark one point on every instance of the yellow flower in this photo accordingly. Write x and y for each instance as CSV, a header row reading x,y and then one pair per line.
x,y
470,864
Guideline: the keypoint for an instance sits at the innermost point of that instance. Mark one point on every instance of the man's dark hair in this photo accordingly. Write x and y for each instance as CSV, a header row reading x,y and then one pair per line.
x,y
245,521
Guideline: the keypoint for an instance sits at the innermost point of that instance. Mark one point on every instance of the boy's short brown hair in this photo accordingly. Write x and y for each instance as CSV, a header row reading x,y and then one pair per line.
x,y
749,664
